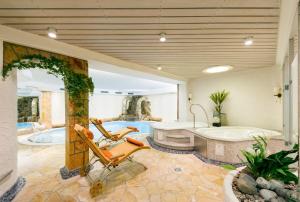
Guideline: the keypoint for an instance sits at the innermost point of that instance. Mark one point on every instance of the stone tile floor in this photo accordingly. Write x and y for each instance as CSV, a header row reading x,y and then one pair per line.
x,y
194,181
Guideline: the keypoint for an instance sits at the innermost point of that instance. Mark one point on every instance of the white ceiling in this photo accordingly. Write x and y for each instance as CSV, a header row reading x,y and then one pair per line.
x,y
39,80
199,33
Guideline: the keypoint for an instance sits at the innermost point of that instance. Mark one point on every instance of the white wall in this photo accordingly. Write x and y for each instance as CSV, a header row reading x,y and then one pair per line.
x,y
58,108
183,102
250,102
8,130
294,75
164,106
105,106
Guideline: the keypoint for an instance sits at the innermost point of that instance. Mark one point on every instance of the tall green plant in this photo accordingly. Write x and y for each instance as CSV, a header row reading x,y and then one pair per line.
x,y
274,166
218,98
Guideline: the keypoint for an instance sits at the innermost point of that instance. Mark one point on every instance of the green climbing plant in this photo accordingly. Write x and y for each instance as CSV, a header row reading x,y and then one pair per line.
x,y
75,83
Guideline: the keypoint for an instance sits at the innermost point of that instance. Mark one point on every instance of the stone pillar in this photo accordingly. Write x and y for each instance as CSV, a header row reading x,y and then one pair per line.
x,y
8,132
77,153
46,108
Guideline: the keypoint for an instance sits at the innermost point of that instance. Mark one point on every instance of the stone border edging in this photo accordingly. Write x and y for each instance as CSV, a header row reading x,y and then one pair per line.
x,y
65,173
10,194
227,187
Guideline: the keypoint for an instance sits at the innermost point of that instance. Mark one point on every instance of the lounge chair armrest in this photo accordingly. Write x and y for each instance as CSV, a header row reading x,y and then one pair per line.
x,y
116,156
104,146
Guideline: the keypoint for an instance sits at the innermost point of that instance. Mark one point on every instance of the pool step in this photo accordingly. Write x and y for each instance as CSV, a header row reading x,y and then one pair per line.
x,y
177,136
175,145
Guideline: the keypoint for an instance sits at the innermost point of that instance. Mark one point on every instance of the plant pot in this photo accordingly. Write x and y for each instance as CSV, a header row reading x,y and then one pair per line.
x,y
223,119
220,119
216,124
227,187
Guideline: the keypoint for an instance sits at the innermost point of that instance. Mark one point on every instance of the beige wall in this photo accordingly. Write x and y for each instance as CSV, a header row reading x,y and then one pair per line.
x,y
164,106
251,101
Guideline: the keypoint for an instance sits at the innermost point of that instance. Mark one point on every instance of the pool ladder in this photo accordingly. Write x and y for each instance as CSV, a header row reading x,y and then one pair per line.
x,y
194,115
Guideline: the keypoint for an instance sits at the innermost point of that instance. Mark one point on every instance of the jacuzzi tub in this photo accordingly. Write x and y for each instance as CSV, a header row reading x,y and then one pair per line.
x,y
174,135
176,125
224,144
236,133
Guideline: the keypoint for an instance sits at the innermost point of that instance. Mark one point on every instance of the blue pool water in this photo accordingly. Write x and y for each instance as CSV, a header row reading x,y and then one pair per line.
x,y
24,125
57,136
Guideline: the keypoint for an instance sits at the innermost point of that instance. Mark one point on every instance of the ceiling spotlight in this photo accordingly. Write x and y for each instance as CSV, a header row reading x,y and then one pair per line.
x,y
218,69
159,68
248,41
162,37
52,32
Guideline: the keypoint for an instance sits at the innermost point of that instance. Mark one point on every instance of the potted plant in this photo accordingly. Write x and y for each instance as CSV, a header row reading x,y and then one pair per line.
x,y
265,176
218,98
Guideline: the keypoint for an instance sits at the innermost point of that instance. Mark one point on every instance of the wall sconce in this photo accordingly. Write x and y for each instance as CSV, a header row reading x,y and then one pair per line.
x,y
277,92
190,97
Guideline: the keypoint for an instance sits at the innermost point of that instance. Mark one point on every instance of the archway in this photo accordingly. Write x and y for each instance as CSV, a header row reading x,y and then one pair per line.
x,y
78,85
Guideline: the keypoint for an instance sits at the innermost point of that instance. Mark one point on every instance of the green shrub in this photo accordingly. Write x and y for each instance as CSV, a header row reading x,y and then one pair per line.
x,y
274,166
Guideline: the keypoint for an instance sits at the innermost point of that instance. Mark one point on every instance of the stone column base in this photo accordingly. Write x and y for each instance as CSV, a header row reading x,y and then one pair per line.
x,y
10,194
66,173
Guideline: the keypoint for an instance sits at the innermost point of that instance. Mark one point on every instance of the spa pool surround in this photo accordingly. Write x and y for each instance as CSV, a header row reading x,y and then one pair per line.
x,y
225,143
174,135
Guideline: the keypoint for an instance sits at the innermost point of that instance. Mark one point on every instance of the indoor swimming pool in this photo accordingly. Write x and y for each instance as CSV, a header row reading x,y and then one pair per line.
x,y
24,125
57,135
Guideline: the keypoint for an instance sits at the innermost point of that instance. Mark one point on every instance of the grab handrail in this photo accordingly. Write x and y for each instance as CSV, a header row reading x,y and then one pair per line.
x,y
194,115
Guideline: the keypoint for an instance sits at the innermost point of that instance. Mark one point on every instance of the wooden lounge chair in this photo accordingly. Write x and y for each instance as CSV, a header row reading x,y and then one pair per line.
x,y
109,136
108,157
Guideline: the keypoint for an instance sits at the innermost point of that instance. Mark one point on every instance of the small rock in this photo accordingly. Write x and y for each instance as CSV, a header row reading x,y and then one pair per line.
x,y
246,184
278,199
276,184
263,183
281,192
267,194
293,195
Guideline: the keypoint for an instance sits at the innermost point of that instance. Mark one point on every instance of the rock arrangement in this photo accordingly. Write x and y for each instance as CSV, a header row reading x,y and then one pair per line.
x,y
247,189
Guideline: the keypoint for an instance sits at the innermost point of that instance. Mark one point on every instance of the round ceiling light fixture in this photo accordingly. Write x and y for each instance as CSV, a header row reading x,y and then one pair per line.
x,y
159,67
162,37
248,41
52,33
217,69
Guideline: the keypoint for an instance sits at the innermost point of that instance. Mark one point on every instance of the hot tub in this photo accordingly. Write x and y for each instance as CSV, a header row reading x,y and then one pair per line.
x,y
225,143
174,135
236,133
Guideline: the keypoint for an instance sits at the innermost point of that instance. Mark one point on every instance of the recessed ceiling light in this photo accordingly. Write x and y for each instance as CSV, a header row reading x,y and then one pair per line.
x,y
52,32
217,69
159,68
248,41
162,37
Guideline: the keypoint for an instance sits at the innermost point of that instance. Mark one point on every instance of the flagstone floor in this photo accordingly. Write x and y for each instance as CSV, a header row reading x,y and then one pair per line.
x,y
168,178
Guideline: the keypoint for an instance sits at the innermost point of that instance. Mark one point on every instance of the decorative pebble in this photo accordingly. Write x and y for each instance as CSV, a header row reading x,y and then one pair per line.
x,y
263,183
276,184
267,194
246,184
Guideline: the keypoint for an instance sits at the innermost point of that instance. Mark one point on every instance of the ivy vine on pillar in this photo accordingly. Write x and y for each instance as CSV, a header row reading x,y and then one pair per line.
x,y
75,83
